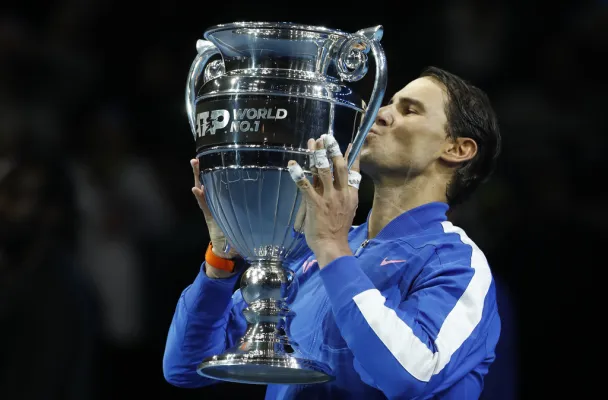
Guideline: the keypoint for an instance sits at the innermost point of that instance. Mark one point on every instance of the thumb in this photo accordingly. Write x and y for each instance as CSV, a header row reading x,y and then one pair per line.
x,y
201,199
356,164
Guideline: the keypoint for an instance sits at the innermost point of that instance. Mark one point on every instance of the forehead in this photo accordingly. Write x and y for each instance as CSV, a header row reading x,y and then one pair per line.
x,y
426,90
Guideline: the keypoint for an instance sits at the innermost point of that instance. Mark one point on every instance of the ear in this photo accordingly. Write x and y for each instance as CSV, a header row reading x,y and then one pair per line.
x,y
459,150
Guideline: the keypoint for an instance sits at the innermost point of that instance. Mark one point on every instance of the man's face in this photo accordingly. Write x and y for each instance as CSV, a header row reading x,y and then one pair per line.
x,y
409,134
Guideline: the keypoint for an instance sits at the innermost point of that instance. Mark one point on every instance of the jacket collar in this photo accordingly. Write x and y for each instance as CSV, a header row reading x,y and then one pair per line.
x,y
412,221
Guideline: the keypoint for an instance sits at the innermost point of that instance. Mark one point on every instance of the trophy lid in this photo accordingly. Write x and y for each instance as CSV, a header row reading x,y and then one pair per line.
x,y
278,45
275,29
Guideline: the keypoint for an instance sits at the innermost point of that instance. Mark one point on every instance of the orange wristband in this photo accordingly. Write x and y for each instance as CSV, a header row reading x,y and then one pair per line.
x,y
218,262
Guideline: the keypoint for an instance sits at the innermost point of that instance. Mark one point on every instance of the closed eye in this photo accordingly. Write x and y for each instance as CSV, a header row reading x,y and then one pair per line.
x,y
408,105
407,109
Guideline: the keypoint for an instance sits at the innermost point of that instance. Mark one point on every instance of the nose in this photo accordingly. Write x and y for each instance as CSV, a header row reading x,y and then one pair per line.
x,y
384,117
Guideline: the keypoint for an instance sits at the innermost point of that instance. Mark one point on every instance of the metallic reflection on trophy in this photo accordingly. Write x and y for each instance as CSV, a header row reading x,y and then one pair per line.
x,y
256,93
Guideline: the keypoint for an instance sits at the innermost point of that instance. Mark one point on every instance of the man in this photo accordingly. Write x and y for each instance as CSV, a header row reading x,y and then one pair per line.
x,y
402,306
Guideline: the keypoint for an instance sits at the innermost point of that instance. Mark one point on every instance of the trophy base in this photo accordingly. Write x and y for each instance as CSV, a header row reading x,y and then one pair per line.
x,y
263,370
265,354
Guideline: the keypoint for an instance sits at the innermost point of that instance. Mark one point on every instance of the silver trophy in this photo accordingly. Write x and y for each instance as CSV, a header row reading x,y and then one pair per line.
x,y
256,92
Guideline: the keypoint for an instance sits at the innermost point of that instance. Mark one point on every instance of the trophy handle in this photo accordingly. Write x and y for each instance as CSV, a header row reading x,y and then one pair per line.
x,y
206,50
352,65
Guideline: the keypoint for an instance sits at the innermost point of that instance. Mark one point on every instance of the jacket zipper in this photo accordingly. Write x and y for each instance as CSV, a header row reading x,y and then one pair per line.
x,y
326,300
360,249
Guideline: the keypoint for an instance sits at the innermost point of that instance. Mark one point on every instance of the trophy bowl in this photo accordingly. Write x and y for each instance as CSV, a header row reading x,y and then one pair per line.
x,y
256,93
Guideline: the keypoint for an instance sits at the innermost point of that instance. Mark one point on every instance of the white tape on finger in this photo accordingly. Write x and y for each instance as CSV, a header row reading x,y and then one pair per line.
x,y
296,172
321,158
354,179
311,161
331,145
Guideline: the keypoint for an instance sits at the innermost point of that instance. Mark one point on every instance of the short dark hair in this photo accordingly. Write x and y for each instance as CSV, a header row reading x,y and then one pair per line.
x,y
469,114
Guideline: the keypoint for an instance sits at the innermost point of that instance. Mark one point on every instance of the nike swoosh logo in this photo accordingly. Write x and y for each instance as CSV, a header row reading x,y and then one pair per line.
x,y
386,262
308,264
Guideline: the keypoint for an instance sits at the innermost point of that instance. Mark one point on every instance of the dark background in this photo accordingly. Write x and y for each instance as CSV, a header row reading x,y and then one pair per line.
x,y
94,150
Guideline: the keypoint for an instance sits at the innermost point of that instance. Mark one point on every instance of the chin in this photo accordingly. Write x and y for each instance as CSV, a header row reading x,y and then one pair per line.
x,y
364,154
367,151
366,160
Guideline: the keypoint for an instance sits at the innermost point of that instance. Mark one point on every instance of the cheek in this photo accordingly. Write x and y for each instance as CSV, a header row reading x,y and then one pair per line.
x,y
401,145
390,151
416,146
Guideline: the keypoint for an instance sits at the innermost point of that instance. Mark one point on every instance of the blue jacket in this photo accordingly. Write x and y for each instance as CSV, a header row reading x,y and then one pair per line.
x,y
411,315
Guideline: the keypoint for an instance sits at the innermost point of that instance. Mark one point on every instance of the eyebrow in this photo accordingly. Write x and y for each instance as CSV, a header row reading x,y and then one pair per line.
x,y
409,100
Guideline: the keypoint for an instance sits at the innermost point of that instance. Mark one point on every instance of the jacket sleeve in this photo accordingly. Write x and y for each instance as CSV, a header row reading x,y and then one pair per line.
x,y
207,320
425,341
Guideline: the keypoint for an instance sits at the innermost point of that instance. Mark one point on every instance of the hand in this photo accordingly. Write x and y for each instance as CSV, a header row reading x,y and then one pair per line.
x,y
330,203
301,213
218,239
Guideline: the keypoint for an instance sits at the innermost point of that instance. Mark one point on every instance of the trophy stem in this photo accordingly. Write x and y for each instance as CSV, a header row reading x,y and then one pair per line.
x,y
265,354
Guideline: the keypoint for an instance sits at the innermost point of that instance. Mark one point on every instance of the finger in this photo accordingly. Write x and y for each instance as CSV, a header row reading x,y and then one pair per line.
x,y
311,147
201,199
312,163
348,149
356,163
300,216
332,146
199,190
198,193
333,151
298,176
196,172
354,177
323,167
354,180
